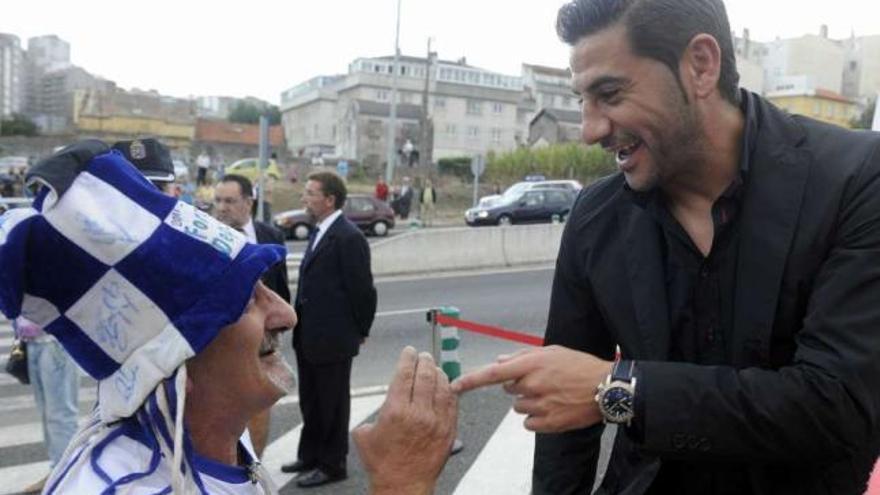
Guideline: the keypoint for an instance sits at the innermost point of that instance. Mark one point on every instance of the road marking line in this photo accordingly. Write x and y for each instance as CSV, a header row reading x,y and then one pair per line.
x,y
16,478
505,463
6,341
402,312
13,436
283,449
386,279
86,397
355,393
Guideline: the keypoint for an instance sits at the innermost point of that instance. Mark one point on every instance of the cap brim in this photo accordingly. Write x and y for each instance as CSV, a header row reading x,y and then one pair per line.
x,y
159,176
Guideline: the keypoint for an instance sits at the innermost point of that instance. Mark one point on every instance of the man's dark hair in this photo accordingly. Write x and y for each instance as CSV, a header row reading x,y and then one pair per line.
x,y
657,29
331,185
244,184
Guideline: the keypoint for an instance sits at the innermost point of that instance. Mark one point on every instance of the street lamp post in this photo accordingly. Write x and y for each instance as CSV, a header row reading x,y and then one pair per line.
x,y
392,120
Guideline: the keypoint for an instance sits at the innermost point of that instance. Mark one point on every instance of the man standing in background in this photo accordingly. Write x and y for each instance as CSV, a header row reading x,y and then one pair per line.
x,y
336,304
233,201
203,162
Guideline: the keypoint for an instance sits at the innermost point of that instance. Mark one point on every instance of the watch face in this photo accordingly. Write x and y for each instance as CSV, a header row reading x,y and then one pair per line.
x,y
617,403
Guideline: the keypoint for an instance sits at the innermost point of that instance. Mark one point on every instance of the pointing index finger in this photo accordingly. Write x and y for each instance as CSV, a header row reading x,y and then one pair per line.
x,y
493,374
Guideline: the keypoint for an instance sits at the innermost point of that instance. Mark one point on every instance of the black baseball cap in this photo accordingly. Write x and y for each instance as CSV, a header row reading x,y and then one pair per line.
x,y
150,156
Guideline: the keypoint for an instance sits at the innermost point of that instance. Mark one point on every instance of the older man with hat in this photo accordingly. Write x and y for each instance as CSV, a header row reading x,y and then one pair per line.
x,y
157,333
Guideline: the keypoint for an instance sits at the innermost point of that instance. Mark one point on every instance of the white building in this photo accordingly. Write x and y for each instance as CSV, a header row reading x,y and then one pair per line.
x,y
816,56
11,75
470,110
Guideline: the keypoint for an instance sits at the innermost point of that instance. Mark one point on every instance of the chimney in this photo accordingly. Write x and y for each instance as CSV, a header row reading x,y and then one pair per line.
x,y
746,43
823,31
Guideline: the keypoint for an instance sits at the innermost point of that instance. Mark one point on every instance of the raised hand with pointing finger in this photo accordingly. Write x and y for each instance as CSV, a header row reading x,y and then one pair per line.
x,y
554,386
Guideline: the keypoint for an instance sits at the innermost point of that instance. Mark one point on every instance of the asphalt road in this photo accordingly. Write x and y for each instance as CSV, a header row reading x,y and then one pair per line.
x,y
497,454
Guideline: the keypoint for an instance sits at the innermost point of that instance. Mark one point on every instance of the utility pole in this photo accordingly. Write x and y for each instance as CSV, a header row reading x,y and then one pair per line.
x,y
392,120
262,164
426,141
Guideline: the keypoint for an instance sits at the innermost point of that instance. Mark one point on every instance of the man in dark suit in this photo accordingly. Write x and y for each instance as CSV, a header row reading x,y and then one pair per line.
x,y
735,261
233,200
336,303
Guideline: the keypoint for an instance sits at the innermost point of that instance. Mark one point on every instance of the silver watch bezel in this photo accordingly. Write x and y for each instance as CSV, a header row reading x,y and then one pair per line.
x,y
604,388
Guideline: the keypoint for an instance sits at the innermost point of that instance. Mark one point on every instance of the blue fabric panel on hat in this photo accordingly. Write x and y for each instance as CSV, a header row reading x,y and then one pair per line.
x,y
114,169
173,269
229,295
88,355
57,269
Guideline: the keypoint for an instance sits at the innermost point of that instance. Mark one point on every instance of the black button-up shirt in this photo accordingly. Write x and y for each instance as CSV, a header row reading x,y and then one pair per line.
x,y
699,291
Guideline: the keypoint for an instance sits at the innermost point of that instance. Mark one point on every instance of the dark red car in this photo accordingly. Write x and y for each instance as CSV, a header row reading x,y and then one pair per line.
x,y
371,215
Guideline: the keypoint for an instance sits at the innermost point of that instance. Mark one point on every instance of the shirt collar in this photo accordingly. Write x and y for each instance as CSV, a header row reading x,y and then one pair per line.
x,y
324,225
249,231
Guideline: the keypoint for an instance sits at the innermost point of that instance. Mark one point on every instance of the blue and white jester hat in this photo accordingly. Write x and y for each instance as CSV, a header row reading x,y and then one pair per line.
x,y
130,281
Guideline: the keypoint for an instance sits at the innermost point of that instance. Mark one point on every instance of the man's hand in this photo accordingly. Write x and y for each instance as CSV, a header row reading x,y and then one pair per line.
x,y
405,450
555,386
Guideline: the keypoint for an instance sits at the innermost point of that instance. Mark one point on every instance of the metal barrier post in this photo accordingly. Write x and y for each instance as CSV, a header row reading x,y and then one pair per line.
x,y
449,343
444,348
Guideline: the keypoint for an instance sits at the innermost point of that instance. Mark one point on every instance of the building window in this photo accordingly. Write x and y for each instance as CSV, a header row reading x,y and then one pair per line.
x,y
473,132
496,135
382,95
474,107
829,109
402,70
498,107
817,109
566,101
450,129
439,102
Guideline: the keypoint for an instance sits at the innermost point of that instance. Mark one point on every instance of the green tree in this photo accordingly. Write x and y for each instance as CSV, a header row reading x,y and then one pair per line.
x,y
18,125
249,113
865,120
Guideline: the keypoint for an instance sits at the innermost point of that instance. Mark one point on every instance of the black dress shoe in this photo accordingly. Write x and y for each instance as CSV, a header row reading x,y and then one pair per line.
x,y
296,466
317,477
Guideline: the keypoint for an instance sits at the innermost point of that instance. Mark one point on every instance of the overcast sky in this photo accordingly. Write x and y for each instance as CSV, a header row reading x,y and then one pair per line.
x,y
262,47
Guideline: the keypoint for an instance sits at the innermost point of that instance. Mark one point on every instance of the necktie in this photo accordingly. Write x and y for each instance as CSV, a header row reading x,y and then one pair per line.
x,y
313,234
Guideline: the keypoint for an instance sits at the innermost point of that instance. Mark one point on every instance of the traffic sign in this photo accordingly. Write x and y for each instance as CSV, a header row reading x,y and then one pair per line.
x,y
478,165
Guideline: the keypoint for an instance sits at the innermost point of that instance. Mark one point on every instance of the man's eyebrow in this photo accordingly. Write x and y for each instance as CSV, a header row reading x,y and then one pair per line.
x,y
603,81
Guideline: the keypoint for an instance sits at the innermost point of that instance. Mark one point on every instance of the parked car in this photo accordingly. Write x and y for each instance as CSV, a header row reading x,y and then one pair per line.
x,y
531,206
247,167
371,215
517,189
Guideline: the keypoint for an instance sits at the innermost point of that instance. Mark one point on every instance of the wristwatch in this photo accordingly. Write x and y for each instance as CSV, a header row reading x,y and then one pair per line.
x,y
616,395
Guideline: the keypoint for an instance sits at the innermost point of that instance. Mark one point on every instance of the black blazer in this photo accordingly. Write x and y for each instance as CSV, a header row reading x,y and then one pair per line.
x,y
799,401
335,297
275,277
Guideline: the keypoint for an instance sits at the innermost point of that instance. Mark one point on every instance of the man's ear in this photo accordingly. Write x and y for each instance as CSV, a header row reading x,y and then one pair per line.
x,y
701,65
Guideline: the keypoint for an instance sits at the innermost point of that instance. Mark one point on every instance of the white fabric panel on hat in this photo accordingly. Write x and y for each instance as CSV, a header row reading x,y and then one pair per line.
x,y
38,310
199,225
101,220
117,316
12,218
122,392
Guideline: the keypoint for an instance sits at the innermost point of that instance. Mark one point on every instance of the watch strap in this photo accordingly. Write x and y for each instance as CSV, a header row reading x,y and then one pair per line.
x,y
623,370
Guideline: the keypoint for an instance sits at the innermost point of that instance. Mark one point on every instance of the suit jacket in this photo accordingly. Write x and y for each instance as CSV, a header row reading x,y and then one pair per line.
x,y
798,402
275,277
335,298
